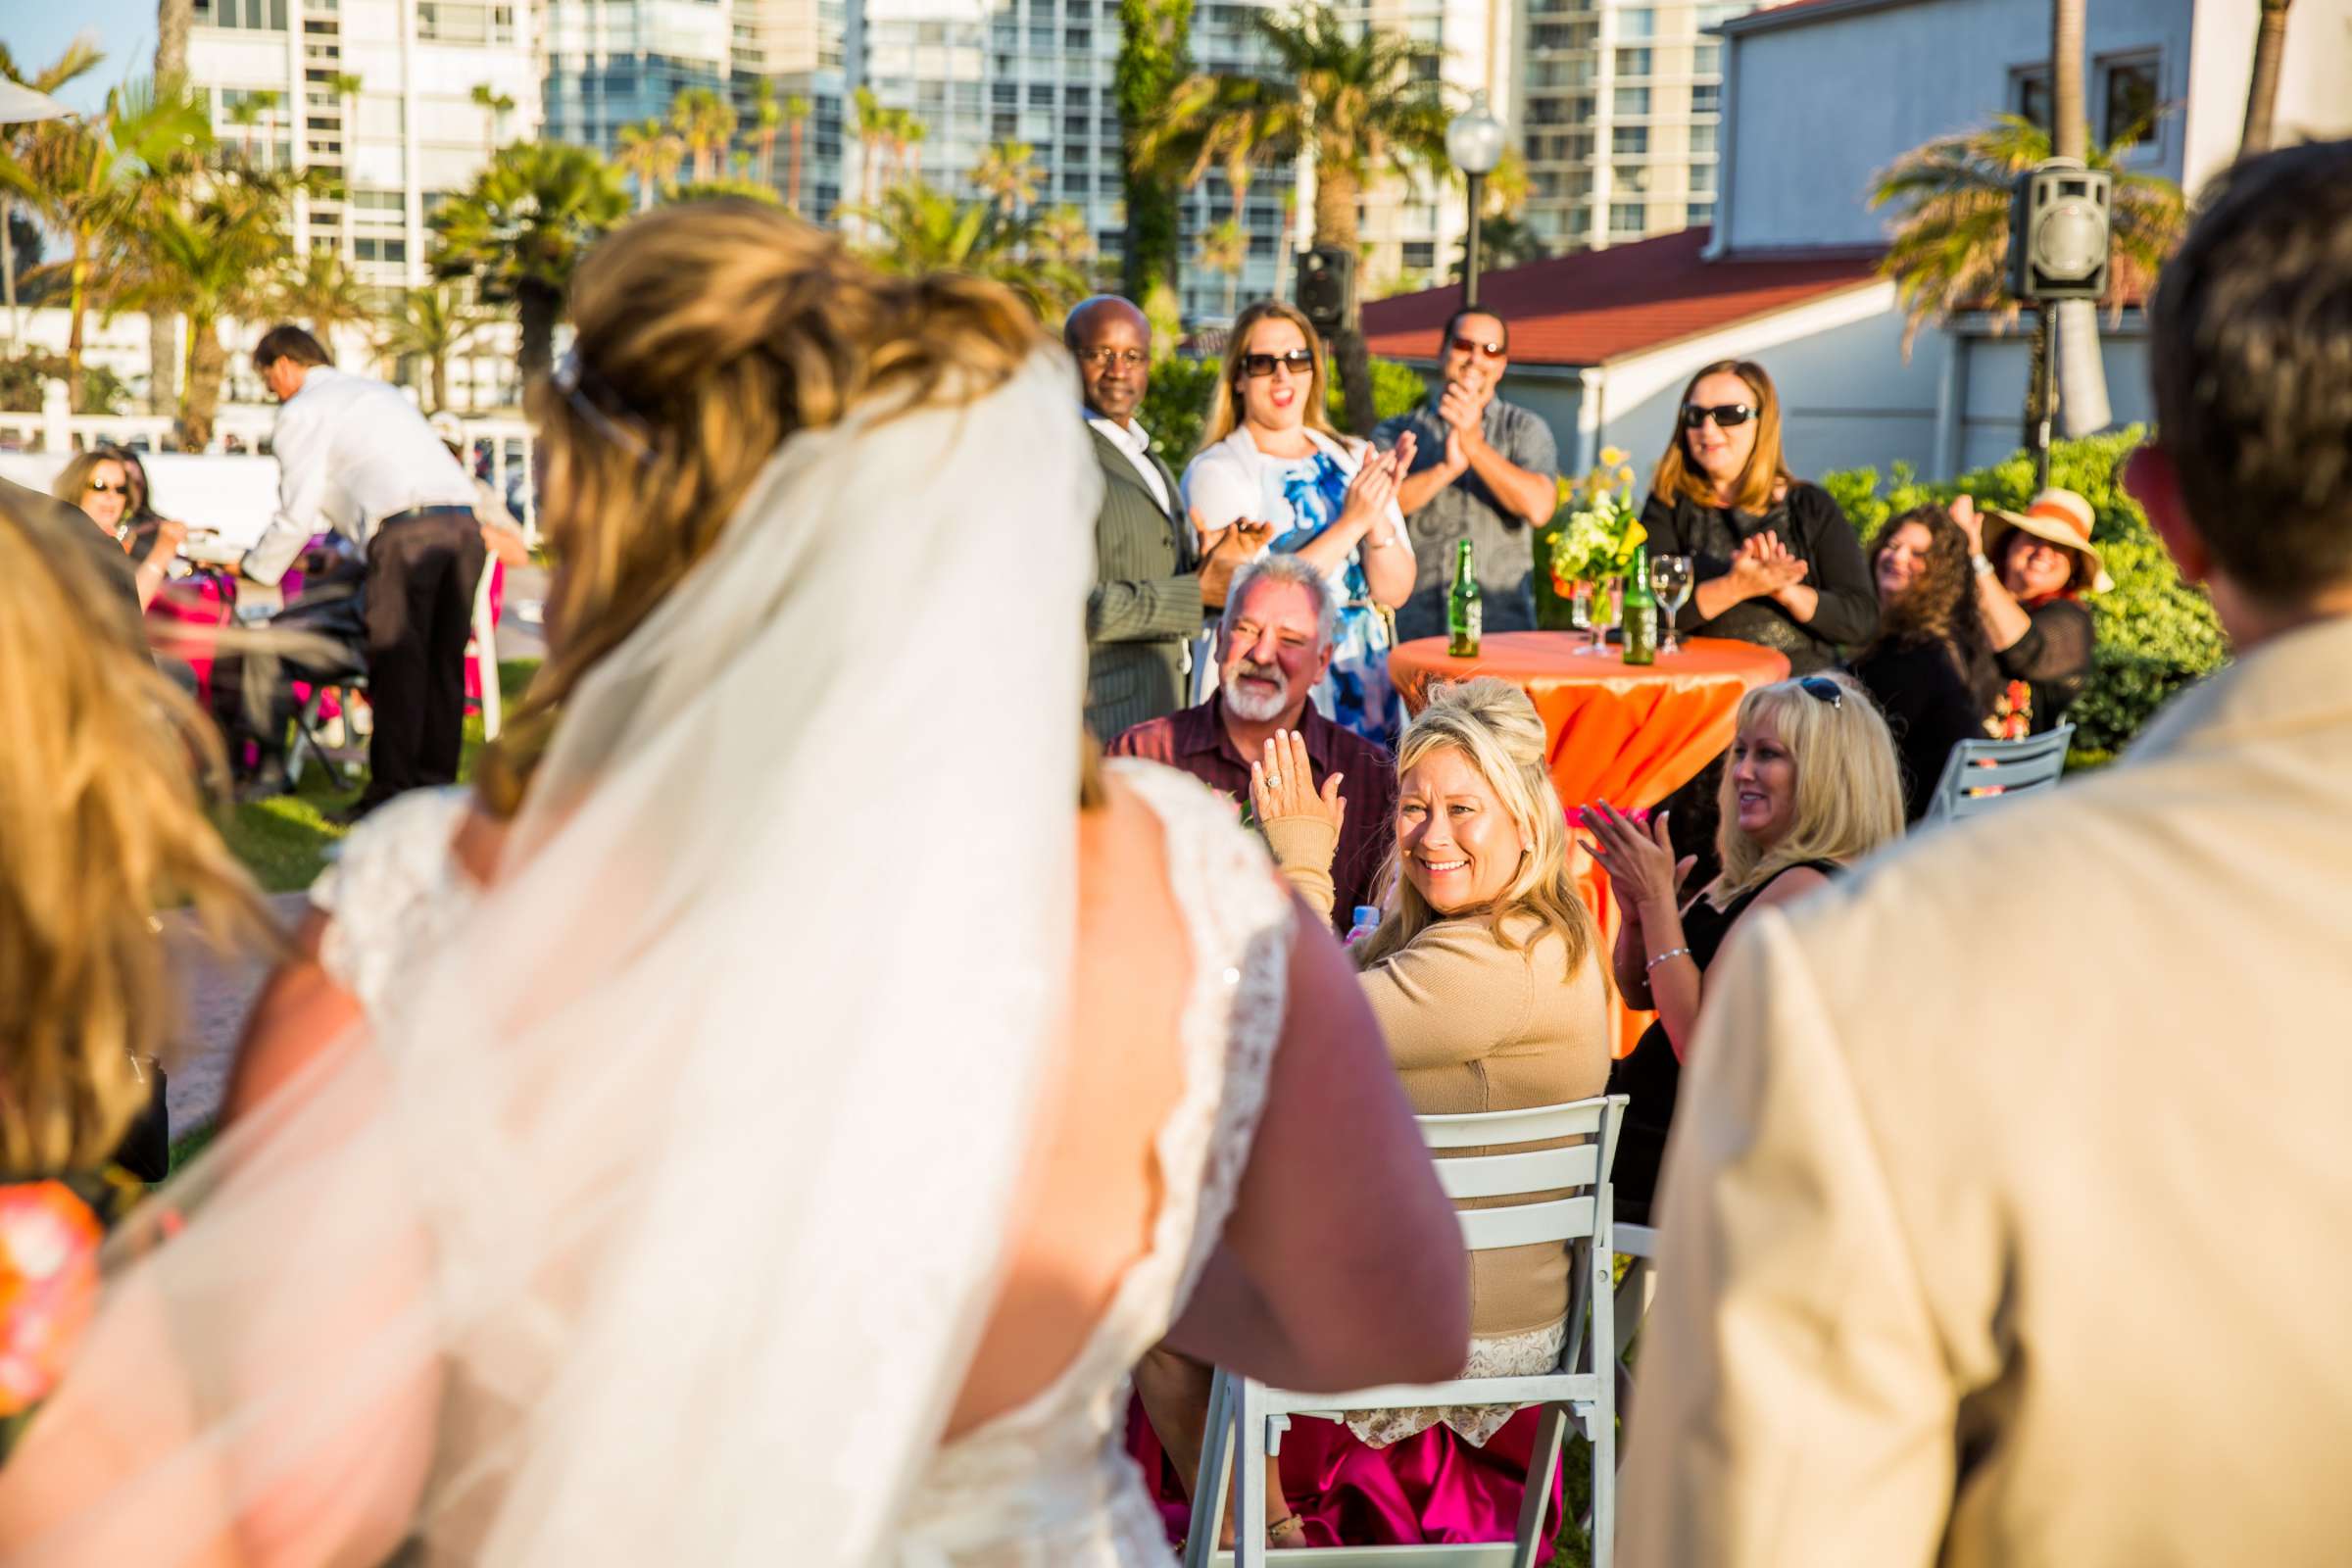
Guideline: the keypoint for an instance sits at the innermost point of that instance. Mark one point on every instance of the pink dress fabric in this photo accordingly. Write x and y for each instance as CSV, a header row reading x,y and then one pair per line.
x,y
1430,1489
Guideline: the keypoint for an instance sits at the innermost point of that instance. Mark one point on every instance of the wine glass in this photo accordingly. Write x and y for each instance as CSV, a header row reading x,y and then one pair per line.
x,y
1670,580
1608,604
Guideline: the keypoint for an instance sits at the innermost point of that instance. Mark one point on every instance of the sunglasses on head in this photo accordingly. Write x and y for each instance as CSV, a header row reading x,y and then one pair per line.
x,y
1725,414
1471,345
1823,689
1256,366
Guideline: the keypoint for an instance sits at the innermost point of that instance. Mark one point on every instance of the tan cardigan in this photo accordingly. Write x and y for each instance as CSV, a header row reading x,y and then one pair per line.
x,y
1474,1025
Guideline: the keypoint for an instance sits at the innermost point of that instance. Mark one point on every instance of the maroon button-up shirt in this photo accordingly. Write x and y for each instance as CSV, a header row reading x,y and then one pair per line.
x,y
1194,740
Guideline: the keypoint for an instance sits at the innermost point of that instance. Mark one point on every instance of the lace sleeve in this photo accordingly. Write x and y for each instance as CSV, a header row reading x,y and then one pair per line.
x,y
393,889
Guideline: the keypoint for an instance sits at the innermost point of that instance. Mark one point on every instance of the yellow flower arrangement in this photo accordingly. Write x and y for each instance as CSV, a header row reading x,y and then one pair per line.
x,y
1601,526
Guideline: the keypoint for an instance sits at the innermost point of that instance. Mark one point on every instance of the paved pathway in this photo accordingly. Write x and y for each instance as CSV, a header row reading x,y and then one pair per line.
x,y
215,994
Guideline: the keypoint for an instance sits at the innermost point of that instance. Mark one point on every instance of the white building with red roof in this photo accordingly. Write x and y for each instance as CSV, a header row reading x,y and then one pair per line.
x,y
1819,96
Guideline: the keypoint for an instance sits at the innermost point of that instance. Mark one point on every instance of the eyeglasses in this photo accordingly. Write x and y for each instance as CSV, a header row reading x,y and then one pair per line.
x,y
1823,689
1257,366
1104,359
1471,345
1726,416
119,488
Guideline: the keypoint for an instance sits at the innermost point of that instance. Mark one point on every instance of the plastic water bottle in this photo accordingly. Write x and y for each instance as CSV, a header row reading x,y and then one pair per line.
x,y
1367,921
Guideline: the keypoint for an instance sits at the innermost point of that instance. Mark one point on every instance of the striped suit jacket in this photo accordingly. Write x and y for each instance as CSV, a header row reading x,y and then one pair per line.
x,y
1146,601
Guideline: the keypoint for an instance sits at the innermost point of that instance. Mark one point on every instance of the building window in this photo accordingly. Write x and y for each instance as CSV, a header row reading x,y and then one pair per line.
x,y
1041,95
1081,40
1007,93
1630,101
259,16
1630,140
1633,62
1629,179
2030,95
1420,254
1640,23
1702,215
1702,140
368,248
1706,97
2129,99
464,22
1707,59
1625,217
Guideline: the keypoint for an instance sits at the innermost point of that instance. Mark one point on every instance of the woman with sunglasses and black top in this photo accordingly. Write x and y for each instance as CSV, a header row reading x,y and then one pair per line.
x,y
1773,561
1270,456
1811,787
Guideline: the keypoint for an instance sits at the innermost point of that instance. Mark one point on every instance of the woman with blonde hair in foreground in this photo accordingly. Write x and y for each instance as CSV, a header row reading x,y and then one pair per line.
x,y
1810,787
653,1158
101,825
1486,980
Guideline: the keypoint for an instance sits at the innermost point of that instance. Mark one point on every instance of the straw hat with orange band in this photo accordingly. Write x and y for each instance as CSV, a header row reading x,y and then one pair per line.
x,y
2056,517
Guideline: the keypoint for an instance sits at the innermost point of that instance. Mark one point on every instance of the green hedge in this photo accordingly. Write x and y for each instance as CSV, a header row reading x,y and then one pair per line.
x,y
2155,635
1176,407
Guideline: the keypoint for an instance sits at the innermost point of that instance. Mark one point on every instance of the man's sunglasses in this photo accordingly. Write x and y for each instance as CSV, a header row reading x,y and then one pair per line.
x,y
1725,414
119,488
1823,689
1471,345
1257,366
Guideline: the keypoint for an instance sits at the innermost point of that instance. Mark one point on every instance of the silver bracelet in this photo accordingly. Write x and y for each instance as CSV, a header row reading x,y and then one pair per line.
x,y
1670,952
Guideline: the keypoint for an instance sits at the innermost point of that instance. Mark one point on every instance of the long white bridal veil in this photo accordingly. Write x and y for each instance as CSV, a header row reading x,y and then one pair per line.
x,y
659,1224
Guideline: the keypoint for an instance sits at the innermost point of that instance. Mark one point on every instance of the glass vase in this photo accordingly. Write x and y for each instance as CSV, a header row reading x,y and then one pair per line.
x,y
1608,608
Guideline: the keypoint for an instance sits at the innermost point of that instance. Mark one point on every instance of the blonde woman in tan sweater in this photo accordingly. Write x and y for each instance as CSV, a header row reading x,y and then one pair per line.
x,y
1488,982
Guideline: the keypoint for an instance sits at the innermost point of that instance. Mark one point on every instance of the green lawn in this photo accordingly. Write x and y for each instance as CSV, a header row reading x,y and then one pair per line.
x,y
284,841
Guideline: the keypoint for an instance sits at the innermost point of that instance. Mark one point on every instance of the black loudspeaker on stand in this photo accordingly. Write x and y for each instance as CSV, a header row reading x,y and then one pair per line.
x,y
1327,287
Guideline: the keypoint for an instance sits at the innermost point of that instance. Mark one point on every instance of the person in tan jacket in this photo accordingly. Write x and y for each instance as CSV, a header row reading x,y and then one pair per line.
x,y
2003,1218
1488,982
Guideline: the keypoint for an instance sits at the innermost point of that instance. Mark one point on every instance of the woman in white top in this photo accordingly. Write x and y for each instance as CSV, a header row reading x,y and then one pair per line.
x,y
1270,455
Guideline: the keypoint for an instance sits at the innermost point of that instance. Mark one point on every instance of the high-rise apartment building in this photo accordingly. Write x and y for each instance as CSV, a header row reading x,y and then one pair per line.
x,y
1621,116
612,63
385,96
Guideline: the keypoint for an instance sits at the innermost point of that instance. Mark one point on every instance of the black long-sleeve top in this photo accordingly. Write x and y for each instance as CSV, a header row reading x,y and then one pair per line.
x,y
1815,529
2053,659
1930,709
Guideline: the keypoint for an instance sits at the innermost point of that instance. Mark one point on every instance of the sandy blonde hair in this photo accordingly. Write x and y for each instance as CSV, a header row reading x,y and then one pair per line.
x,y
1849,793
709,333
101,825
1225,407
1766,476
75,478
1492,724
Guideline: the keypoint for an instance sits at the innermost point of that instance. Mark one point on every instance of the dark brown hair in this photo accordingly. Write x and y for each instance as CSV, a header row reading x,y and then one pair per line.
x,y
288,342
1939,607
1766,476
2250,357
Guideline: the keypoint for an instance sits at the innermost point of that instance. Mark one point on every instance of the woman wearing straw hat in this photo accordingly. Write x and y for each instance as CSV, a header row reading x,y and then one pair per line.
x,y
2033,569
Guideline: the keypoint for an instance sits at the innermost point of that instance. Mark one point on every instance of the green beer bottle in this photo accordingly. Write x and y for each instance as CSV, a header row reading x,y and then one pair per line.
x,y
1641,612
1465,616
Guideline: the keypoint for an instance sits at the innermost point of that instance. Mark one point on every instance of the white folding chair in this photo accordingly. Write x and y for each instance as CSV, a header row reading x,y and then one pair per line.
x,y
1980,775
1247,1418
484,649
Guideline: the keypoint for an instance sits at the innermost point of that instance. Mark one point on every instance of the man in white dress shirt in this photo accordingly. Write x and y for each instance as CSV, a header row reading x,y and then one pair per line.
x,y
355,456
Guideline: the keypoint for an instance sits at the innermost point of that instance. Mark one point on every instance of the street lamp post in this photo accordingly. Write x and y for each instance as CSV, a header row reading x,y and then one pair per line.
x,y
1474,141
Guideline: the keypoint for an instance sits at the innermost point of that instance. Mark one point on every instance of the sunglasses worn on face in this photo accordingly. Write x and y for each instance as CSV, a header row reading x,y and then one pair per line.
x,y
1470,345
1256,366
98,489
1725,414
1823,689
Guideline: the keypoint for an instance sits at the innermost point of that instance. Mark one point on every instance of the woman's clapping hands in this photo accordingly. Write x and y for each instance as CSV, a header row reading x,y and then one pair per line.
x,y
1640,862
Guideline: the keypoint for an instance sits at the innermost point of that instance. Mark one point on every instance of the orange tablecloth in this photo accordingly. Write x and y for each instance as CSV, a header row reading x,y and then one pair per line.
x,y
1629,736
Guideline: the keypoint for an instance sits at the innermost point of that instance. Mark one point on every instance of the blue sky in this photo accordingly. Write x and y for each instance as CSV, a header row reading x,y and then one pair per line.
x,y
36,32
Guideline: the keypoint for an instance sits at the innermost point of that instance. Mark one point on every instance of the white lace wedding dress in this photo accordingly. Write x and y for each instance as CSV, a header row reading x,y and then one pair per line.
x,y
1048,1484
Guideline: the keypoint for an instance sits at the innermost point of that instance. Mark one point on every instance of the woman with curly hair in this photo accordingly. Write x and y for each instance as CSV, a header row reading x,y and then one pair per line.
x,y
1928,669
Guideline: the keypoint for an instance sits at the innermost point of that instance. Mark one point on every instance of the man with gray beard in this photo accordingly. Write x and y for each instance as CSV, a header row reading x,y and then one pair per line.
x,y
1273,644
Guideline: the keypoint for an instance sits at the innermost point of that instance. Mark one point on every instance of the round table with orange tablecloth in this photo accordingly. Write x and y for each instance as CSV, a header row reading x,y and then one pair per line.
x,y
1629,735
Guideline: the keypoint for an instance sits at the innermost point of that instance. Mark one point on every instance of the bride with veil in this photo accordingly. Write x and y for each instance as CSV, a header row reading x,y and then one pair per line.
x,y
778,1117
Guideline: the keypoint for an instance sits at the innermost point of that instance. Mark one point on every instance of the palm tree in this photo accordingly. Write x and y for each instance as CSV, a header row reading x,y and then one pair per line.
x,y
919,228
1198,133
1949,248
1346,98
87,178
1154,51
795,116
207,255
251,110
495,107
1226,249
523,228
1007,174
705,122
320,290
767,117
80,57
649,155
173,21
910,144
2262,88
872,129
435,324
